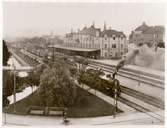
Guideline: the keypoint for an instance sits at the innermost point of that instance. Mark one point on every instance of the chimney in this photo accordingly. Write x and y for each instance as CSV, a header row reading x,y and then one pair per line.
x,y
93,24
144,23
104,26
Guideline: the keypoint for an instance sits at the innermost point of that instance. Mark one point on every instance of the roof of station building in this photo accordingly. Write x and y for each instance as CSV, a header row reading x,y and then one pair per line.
x,y
73,48
90,30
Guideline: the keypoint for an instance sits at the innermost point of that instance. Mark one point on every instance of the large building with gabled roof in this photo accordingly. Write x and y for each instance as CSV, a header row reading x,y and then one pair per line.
x,y
150,35
111,43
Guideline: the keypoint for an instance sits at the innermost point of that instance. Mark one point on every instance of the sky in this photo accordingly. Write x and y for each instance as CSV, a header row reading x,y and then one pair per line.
x,y
35,18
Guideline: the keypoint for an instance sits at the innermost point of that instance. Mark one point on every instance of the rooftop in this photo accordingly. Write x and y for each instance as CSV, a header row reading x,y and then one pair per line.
x,y
150,29
111,32
93,31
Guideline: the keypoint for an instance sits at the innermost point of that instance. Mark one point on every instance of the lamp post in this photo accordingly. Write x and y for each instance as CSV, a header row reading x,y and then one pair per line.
x,y
116,85
14,83
115,96
53,54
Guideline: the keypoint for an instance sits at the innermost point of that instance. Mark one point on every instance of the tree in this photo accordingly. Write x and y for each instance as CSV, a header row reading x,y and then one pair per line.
x,y
33,78
56,86
8,85
6,53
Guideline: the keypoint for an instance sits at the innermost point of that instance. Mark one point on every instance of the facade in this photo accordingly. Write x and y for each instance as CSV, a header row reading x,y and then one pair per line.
x,y
111,43
150,35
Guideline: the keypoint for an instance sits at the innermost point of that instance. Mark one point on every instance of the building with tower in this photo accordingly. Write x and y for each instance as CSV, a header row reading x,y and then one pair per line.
x,y
107,43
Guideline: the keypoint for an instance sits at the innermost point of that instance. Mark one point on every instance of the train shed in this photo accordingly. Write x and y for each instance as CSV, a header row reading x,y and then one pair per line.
x,y
73,51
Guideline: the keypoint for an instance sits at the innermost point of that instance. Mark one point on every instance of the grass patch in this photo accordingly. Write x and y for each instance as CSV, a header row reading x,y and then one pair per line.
x,y
86,105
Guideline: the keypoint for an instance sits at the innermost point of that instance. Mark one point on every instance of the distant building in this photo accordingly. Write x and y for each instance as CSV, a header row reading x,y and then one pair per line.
x,y
111,43
150,35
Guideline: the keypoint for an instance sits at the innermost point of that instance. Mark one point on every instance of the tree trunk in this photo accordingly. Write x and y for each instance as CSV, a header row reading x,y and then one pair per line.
x,y
31,89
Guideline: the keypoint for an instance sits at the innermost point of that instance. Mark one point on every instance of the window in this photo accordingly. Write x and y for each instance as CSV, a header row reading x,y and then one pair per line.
x,y
114,38
113,45
111,54
121,45
105,54
105,45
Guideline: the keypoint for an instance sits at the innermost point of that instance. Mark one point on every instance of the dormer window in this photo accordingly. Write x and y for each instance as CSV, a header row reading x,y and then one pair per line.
x,y
105,46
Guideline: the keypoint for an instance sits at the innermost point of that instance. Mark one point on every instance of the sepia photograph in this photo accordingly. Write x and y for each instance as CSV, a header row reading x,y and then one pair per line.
x,y
83,64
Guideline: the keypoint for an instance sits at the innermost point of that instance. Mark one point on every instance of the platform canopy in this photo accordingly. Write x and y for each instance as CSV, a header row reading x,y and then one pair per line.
x,y
90,53
73,48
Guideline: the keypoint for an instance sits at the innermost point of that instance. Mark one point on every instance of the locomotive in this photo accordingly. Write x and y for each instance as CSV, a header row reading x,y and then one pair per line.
x,y
92,78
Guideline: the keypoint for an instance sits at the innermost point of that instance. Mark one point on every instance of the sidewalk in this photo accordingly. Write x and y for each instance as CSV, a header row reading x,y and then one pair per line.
x,y
108,99
130,119
26,92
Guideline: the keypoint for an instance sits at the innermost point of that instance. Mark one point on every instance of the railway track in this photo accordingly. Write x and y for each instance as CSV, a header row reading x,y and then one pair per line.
x,y
142,109
129,70
152,80
145,98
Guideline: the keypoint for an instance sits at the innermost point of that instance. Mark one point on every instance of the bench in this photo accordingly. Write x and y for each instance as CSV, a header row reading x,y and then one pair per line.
x,y
36,110
51,111
57,111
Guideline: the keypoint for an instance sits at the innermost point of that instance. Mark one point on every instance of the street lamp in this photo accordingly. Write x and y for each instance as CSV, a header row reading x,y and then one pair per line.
x,y
116,91
14,83
115,96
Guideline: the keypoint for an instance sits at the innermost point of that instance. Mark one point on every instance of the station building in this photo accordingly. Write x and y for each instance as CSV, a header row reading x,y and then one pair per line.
x,y
93,43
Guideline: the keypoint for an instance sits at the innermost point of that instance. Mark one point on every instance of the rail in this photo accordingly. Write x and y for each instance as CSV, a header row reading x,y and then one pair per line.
x,y
143,77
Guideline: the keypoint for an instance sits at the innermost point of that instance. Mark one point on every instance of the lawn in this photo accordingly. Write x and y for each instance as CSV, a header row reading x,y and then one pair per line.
x,y
86,105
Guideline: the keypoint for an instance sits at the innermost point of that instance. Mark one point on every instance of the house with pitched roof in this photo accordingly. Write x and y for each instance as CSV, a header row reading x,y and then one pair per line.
x,y
150,35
